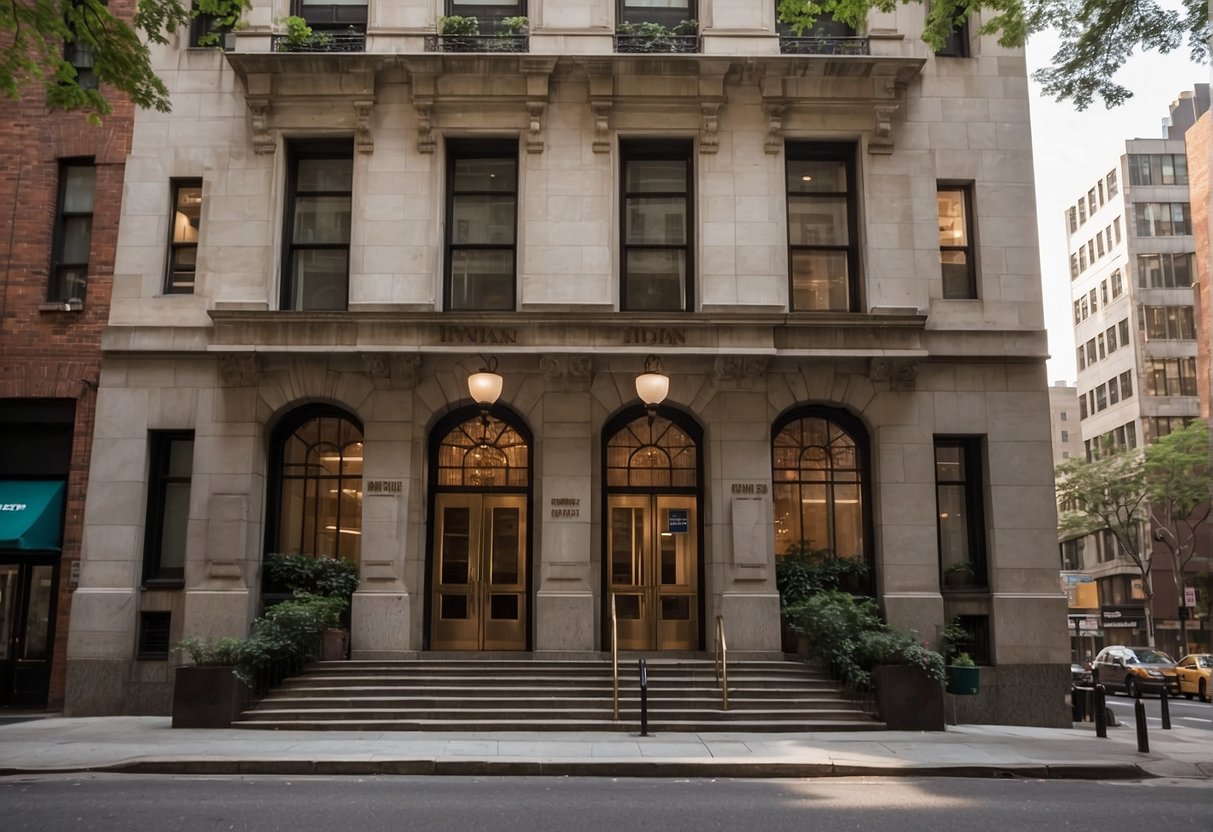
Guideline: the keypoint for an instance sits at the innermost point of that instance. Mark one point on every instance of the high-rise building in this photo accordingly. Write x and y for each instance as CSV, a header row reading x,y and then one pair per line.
x,y
1064,425
818,253
1132,267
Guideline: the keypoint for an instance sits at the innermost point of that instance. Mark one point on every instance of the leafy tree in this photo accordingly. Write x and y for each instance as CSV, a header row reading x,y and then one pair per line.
x,y
1097,36
32,38
1109,494
1176,469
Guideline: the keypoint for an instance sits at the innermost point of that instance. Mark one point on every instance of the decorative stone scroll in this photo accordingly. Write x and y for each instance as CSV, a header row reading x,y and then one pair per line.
x,y
709,134
239,369
602,126
559,367
364,142
774,138
740,367
901,374
882,134
427,140
259,127
534,131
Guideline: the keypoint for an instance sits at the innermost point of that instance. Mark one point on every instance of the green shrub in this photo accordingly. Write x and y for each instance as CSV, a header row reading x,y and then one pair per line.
x,y
221,652
804,572
457,25
305,576
288,632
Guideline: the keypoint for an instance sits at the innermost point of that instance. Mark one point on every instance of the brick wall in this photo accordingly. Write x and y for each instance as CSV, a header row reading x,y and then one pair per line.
x,y
48,353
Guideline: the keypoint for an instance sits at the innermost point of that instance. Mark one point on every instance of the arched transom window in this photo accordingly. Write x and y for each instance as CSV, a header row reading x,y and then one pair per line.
x,y
818,488
656,454
320,502
477,454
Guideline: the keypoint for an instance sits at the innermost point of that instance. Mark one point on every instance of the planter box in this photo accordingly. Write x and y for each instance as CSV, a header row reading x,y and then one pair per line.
x,y
207,697
907,699
332,645
964,681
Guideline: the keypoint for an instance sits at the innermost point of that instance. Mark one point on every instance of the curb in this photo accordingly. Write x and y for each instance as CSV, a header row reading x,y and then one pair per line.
x,y
559,768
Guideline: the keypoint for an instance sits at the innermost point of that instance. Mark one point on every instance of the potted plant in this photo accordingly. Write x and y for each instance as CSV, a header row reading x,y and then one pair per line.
x,y
459,33
964,677
656,37
297,36
959,574
222,18
209,693
515,25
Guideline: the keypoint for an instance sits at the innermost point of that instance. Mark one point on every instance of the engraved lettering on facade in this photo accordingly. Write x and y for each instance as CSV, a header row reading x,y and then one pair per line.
x,y
654,335
749,488
448,334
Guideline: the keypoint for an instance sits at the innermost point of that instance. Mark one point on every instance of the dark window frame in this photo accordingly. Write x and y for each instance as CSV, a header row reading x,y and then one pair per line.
x,y
973,483
80,56
328,17
457,149
970,228
669,17
154,639
301,150
845,152
172,286
160,445
489,16
957,44
631,150
55,289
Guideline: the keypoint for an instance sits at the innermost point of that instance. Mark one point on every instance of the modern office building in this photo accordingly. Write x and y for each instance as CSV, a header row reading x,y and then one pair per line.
x,y
1132,267
824,245
60,190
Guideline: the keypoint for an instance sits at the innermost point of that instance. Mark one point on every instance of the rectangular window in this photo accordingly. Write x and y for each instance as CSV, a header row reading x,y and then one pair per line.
x,y
1065,415
957,44
1072,219
1091,206
1113,189
317,240
1091,251
80,56
1082,259
956,249
1099,187
1124,331
170,468
1162,219
1084,308
154,641
1169,323
1077,312
657,248
1091,351
666,12
1158,169
1149,270
1116,228
1073,266
183,236
481,225
1094,302
1118,284
1110,336
1103,292
822,218
1113,391
1103,353
73,232
1082,358
961,517
1126,384
1082,212
1101,398
1065,436
1099,244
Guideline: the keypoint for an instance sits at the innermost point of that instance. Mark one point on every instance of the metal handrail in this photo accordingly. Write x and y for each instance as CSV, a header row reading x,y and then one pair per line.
x,y
614,660
722,663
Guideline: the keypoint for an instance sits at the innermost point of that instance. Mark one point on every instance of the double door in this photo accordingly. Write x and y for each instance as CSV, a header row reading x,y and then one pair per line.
x,y
479,597
27,607
653,570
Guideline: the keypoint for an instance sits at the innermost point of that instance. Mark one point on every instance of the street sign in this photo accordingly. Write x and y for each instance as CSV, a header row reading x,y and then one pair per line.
x,y
1189,596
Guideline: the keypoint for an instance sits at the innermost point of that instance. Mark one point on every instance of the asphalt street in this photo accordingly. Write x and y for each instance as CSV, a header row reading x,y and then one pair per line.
x,y
1184,713
109,803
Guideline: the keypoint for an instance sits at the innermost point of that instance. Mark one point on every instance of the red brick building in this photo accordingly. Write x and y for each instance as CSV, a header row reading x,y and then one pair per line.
x,y
60,192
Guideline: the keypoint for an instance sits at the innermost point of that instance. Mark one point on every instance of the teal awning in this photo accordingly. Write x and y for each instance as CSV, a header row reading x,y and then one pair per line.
x,y
31,515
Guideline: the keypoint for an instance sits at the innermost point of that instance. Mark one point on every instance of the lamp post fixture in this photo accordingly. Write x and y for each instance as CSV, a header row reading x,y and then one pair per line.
x,y
484,386
652,386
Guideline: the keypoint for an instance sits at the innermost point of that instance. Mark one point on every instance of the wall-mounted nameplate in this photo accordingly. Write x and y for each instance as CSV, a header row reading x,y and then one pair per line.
x,y
750,488
380,487
564,508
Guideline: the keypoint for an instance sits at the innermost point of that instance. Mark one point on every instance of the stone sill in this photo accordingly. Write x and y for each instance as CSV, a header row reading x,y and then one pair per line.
x,y
65,306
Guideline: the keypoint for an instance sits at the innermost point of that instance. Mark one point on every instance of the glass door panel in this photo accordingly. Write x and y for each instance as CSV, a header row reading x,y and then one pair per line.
x,y
630,551
504,625
678,589
456,614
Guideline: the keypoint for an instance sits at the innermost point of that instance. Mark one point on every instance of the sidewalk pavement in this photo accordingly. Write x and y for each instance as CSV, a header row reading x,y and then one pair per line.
x,y
148,745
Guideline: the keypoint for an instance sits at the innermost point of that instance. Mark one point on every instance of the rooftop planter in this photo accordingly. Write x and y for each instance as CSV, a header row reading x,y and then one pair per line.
x,y
300,37
791,45
462,34
657,38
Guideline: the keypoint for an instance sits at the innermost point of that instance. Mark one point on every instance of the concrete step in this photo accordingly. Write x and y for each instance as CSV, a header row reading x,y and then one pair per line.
x,y
631,726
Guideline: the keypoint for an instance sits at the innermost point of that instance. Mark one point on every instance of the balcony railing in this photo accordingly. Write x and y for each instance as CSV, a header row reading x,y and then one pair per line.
x,y
789,45
681,44
478,43
341,40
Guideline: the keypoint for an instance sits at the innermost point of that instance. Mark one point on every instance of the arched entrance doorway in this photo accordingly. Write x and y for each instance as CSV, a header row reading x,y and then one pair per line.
x,y
479,557
653,559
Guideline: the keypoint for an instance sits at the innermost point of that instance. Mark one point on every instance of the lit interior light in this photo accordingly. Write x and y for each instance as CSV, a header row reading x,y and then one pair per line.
x,y
342,531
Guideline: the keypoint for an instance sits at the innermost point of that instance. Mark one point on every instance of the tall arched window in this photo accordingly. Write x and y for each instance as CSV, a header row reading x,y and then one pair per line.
x,y
818,469
317,481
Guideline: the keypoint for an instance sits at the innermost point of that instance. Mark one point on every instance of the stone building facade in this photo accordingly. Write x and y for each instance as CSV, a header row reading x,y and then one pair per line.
x,y
60,189
827,244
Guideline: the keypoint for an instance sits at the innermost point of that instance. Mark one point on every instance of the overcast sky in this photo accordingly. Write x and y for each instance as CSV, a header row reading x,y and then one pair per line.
x,y
1073,149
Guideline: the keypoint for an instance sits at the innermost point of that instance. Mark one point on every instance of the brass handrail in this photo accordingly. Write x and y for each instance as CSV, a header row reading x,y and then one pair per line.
x,y
614,660
722,663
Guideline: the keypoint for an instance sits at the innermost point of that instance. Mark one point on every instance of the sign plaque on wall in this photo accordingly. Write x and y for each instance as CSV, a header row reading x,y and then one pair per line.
x,y
380,487
565,508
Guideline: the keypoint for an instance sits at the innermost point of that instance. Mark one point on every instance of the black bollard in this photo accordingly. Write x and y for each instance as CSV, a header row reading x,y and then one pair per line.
x,y
1166,708
1075,704
1101,713
1143,737
644,698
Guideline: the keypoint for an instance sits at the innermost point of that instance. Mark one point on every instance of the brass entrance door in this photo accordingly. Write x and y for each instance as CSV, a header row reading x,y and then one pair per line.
x,y
480,564
652,547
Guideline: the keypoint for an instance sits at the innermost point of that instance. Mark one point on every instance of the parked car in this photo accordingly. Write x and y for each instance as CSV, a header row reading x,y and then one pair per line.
x,y
1135,670
1194,671
1079,675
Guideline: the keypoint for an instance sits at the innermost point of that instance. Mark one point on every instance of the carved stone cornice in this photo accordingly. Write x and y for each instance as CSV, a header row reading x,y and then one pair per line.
x,y
900,374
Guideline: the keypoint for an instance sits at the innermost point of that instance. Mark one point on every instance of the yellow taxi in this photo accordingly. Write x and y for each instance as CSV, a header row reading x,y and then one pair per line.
x,y
1194,671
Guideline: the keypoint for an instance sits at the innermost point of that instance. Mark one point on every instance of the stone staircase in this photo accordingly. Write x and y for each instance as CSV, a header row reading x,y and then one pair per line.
x,y
433,694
